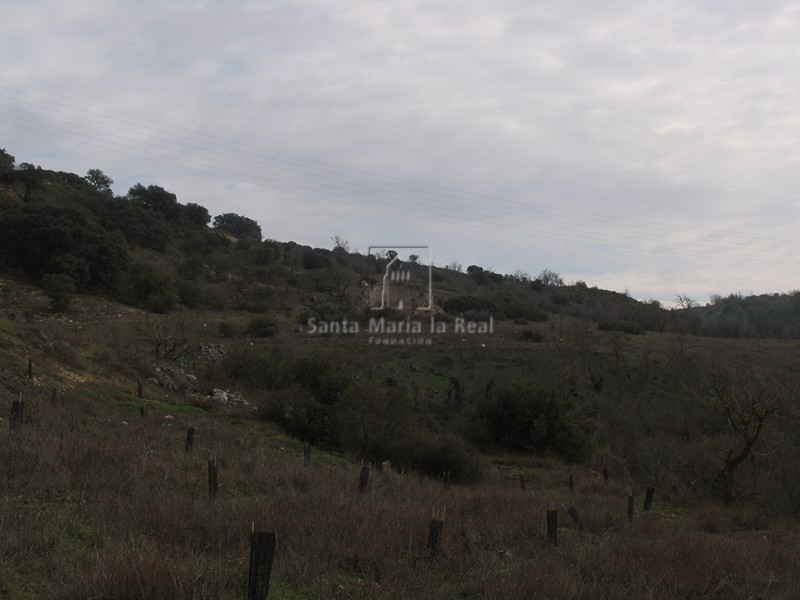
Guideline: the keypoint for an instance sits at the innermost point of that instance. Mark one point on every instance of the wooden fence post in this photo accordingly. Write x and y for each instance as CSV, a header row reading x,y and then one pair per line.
x,y
648,499
363,478
573,512
262,553
189,440
552,525
30,368
213,486
435,532
17,413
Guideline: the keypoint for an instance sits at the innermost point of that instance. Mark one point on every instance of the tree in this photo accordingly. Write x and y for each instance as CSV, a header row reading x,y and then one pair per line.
x,y
99,180
58,287
42,239
195,215
685,302
548,277
340,244
157,198
527,418
520,275
239,226
6,162
745,401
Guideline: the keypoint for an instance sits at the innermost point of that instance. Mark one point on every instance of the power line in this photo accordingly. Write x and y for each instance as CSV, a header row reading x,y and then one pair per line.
x,y
323,180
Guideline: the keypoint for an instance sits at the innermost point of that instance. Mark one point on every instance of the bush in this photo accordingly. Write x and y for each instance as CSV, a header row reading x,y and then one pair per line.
x,y
226,329
262,327
324,378
307,419
623,326
529,335
58,288
463,304
263,368
529,419
428,454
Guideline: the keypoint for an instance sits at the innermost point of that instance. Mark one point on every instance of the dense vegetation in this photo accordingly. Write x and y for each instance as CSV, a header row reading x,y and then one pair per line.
x,y
102,292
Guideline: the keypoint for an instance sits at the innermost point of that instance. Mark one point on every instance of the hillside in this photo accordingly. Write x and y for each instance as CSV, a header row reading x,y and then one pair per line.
x,y
485,408
146,249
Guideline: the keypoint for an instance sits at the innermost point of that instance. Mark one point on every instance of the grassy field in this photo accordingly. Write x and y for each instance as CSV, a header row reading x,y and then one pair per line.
x,y
100,501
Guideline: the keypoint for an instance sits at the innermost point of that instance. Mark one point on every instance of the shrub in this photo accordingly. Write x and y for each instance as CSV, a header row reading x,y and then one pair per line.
x,y
260,367
529,335
324,378
527,419
428,454
262,327
623,326
463,304
59,288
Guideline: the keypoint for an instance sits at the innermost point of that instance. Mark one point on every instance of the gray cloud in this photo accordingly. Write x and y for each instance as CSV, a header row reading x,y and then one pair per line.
x,y
640,145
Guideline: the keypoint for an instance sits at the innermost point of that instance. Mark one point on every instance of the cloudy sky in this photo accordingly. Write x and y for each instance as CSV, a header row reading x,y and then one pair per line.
x,y
645,146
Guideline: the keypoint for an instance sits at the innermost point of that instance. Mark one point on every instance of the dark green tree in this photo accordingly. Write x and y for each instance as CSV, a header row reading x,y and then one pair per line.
x,y
6,162
196,216
41,239
239,226
59,288
99,180
157,198
526,419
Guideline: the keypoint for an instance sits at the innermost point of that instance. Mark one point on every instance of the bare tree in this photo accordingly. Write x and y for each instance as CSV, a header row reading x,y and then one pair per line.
x,y
746,401
548,277
685,302
520,275
339,243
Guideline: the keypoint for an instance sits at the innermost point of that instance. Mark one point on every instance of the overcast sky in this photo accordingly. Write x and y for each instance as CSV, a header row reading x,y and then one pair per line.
x,y
652,147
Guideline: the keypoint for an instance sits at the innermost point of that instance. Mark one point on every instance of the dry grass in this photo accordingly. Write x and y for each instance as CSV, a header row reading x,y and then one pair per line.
x,y
94,508
98,502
